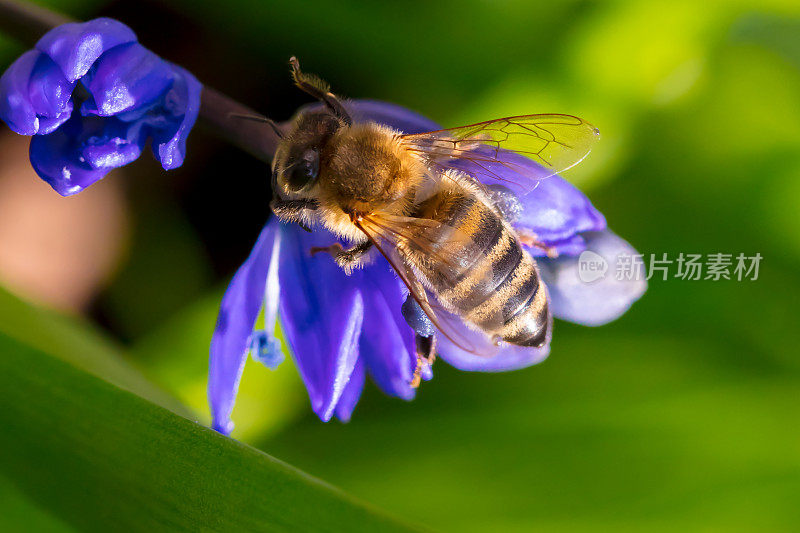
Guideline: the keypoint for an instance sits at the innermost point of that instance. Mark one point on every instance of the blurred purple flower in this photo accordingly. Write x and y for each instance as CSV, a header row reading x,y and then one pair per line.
x,y
341,328
93,97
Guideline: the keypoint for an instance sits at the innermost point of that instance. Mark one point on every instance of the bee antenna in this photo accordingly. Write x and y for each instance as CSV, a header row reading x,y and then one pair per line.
x,y
319,89
262,119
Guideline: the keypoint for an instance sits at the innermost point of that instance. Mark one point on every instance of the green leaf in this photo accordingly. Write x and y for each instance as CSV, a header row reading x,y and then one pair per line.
x,y
79,343
102,458
18,513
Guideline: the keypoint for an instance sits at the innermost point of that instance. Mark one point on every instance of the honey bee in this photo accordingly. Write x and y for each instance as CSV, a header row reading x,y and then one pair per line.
x,y
447,235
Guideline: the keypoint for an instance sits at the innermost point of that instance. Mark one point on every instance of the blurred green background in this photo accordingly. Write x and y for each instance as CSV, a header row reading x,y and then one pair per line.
x,y
682,415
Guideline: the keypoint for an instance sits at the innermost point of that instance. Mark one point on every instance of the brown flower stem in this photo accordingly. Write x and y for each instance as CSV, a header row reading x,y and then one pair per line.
x,y
255,138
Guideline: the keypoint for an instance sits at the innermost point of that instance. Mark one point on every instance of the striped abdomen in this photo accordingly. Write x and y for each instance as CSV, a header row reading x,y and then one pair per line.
x,y
494,283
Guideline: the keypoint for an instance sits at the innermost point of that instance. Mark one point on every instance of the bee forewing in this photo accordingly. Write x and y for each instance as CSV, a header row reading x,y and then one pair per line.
x,y
391,233
516,152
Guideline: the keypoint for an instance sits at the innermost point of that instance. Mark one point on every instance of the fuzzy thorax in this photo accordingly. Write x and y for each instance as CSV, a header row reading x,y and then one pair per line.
x,y
365,169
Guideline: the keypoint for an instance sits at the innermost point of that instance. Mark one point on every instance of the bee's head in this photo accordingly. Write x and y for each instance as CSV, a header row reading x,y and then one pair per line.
x,y
296,165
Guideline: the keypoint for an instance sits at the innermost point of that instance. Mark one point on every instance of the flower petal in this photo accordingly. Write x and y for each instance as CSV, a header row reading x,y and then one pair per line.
x,y
556,211
48,125
392,115
509,358
74,47
83,150
50,94
387,343
322,311
179,110
115,145
125,78
573,245
237,316
593,302
351,393
16,108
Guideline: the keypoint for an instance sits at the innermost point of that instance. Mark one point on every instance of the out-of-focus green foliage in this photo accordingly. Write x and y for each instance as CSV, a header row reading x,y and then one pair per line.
x,y
18,513
620,430
159,232
78,343
102,458
682,415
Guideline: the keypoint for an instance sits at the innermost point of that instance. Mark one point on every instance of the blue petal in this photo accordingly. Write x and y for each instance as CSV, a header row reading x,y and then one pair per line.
x,y
51,95
509,358
393,115
16,108
237,316
48,125
351,393
322,312
556,211
572,245
387,343
179,109
114,144
74,47
125,78
579,297
84,150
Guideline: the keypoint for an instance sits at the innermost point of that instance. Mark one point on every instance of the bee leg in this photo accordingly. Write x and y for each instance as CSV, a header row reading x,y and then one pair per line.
x,y
347,259
416,318
292,210
333,249
424,337
426,355
528,238
351,258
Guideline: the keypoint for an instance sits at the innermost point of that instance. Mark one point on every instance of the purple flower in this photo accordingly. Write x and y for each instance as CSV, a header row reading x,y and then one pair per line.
x,y
93,97
342,328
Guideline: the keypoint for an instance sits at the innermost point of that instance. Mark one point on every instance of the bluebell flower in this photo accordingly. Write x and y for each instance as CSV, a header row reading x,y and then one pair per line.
x,y
92,97
342,328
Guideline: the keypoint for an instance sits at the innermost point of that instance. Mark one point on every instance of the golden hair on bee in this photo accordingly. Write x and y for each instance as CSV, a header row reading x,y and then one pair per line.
x,y
447,236
329,170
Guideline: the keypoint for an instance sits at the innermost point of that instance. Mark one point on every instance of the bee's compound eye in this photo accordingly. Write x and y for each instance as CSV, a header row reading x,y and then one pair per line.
x,y
305,170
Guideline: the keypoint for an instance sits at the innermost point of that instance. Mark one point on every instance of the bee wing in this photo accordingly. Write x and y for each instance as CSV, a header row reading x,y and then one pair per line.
x,y
517,152
391,234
